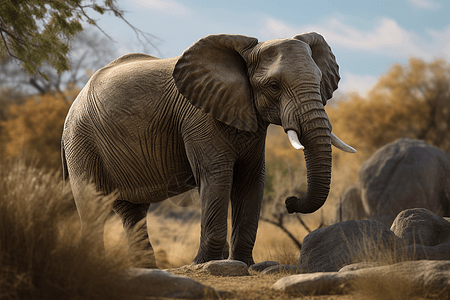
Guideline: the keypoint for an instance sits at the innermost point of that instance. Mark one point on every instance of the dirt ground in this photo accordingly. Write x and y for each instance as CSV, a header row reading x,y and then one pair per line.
x,y
252,287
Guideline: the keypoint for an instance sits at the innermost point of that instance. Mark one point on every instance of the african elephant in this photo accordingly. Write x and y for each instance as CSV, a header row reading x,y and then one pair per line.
x,y
153,128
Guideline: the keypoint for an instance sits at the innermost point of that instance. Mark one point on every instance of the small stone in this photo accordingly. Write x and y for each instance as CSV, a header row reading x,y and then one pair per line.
x,y
224,268
285,269
262,266
157,283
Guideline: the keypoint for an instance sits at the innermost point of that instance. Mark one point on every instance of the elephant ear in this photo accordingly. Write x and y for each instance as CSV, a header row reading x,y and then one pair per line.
x,y
212,75
325,60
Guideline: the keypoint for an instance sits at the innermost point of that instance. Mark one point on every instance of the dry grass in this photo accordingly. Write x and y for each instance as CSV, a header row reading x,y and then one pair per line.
x,y
38,245
380,286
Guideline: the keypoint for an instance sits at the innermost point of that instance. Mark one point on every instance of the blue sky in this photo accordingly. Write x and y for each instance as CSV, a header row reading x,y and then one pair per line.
x,y
367,37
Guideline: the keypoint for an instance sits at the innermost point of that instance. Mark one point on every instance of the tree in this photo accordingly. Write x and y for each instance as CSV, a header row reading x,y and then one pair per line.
x,y
34,128
35,32
409,101
89,51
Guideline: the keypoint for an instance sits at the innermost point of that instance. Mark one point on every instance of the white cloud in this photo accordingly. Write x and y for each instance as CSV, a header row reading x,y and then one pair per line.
x,y
356,83
164,6
385,38
425,4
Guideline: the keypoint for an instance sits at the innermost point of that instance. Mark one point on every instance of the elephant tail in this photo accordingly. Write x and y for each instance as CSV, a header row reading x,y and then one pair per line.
x,y
64,163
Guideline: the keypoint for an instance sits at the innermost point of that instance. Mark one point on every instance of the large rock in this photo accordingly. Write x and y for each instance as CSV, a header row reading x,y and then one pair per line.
x,y
328,249
350,206
414,278
157,283
421,226
404,174
417,252
427,236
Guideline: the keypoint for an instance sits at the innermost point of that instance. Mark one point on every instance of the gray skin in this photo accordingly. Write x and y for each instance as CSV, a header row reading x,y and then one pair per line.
x,y
154,128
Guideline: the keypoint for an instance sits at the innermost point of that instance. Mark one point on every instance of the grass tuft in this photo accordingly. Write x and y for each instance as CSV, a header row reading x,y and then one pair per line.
x,y
379,286
39,251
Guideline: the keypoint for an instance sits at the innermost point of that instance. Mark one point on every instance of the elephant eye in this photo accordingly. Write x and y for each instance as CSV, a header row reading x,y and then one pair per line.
x,y
274,86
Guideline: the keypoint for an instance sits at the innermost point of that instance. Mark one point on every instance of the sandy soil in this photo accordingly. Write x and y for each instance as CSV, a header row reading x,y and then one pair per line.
x,y
252,287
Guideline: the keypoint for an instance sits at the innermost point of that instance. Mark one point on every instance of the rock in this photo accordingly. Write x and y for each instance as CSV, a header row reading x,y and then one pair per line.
x,y
157,283
421,226
329,249
418,252
284,269
405,174
418,278
217,268
358,266
225,268
350,206
401,175
262,265
322,283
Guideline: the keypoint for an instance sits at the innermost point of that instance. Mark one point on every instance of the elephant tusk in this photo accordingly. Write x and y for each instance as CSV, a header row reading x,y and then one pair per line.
x,y
335,141
293,138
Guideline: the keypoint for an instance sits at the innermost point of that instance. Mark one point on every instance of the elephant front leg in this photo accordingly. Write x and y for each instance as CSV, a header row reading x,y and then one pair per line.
x,y
214,195
246,197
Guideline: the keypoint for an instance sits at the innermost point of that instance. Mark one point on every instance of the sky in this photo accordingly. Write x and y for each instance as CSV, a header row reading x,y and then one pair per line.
x,y
367,37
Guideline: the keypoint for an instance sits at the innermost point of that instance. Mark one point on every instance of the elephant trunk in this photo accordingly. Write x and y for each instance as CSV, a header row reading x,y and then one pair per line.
x,y
316,137
318,168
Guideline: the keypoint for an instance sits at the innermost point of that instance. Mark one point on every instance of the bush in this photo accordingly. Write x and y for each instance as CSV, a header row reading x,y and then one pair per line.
x,y
34,128
39,256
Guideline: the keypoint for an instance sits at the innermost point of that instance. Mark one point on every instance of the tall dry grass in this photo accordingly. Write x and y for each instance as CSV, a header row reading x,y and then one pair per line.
x,y
39,253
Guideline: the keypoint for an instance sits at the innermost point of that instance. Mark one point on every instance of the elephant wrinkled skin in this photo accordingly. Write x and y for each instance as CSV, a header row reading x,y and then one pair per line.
x,y
154,128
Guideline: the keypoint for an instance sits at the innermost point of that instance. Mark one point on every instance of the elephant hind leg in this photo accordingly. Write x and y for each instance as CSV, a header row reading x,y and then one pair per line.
x,y
134,219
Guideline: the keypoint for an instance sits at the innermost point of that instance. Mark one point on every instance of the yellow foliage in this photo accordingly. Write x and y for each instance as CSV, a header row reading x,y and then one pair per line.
x,y
35,127
409,101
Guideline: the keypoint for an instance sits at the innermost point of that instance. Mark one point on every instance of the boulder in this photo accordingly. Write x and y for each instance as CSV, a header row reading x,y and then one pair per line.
x,y
418,252
329,249
350,206
405,174
157,283
411,279
421,226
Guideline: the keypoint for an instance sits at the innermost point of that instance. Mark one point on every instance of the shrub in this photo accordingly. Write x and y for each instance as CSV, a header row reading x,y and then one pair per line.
x,y
39,254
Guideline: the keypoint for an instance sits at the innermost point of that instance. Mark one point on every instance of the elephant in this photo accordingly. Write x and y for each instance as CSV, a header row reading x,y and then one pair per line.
x,y
153,128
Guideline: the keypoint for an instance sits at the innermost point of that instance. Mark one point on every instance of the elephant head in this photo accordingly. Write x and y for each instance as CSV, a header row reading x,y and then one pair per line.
x,y
285,82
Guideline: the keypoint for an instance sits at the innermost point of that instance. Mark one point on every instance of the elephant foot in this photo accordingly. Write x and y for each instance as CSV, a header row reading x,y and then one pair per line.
x,y
248,260
204,256
201,260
